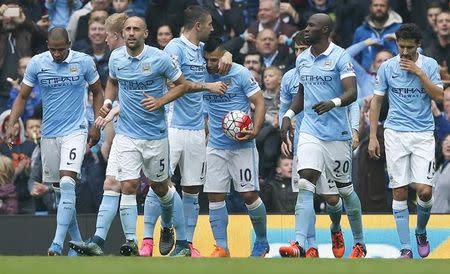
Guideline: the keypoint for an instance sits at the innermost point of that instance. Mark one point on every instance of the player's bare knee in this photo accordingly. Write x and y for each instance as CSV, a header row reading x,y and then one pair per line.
x,y
160,188
191,189
129,187
249,197
331,200
400,194
216,197
425,193
310,175
111,184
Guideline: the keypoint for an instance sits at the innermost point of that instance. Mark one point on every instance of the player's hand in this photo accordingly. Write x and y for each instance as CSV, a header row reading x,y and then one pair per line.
x,y
286,133
10,135
225,63
374,149
322,107
93,136
410,66
150,103
286,148
105,109
246,135
355,139
217,87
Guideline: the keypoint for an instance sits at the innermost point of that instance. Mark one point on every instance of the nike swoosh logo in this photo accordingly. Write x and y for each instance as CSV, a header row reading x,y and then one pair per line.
x,y
121,68
69,163
158,175
395,76
243,185
191,60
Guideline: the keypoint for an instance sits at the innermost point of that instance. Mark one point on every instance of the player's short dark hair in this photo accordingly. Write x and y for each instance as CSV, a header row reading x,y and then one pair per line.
x,y
299,38
194,14
213,43
409,31
58,33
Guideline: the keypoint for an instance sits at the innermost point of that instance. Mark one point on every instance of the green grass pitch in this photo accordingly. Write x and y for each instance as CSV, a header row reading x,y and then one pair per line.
x,y
125,265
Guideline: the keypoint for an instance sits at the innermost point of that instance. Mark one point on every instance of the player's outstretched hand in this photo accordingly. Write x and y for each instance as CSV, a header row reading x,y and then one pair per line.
x,y
286,133
93,136
410,66
105,109
217,87
322,107
374,149
246,135
150,103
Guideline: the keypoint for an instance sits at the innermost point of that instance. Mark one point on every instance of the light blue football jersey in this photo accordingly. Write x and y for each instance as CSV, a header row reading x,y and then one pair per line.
x,y
241,86
187,110
289,88
64,90
321,78
146,73
409,103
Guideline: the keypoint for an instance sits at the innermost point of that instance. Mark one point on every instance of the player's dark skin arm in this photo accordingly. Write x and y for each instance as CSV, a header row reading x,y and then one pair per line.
x,y
17,110
257,100
94,132
348,97
296,106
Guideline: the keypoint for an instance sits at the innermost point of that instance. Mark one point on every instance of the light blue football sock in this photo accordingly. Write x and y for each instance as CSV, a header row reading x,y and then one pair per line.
x,y
311,237
166,203
152,210
191,209
178,217
258,216
73,229
106,213
66,209
128,215
304,215
218,218
423,215
335,212
401,215
354,213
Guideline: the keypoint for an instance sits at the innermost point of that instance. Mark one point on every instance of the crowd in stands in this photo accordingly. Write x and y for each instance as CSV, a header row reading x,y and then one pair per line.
x,y
260,36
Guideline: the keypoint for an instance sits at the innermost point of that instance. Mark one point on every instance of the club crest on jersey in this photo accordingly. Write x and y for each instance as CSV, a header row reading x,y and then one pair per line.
x,y
146,68
327,64
227,81
73,69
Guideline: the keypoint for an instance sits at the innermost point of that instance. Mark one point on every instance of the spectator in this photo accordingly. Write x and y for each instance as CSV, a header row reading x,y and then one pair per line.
x,y
82,31
8,195
120,6
20,153
381,24
276,191
60,11
442,181
35,96
267,46
72,25
163,36
95,45
272,83
439,48
228,20
268,18
349,15
165,11
429,33
319,6
19,37
442,119
33,129
253,61
366,79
